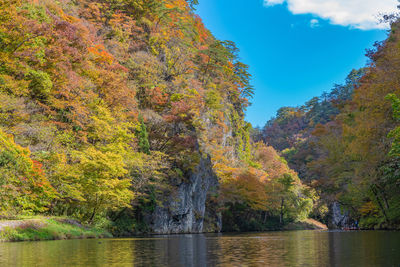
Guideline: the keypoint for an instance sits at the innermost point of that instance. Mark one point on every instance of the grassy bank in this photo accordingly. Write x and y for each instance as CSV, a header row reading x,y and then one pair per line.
x,y
46,228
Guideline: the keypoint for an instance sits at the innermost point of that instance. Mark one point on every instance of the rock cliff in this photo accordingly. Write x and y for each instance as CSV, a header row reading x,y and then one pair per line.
x,y
187,210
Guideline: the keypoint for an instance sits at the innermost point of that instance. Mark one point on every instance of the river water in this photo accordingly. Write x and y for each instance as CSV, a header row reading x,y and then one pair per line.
x,y
293,248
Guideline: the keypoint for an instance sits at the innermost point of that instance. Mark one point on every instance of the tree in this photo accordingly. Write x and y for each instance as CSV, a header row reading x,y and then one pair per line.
x,y
143,137
193,3
395,133
104,182
23,185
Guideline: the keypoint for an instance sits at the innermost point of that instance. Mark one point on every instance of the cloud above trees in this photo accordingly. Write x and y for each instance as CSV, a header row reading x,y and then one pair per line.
x,y
359,14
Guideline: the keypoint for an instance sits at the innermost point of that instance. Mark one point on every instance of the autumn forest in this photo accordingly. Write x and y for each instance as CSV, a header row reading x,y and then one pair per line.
x,y
129,116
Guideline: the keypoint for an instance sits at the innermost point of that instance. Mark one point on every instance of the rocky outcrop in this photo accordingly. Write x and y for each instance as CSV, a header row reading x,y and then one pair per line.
x,y
189,209
338,218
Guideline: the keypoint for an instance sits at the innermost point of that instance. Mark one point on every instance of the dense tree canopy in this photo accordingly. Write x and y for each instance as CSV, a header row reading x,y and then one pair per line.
x,y
110,101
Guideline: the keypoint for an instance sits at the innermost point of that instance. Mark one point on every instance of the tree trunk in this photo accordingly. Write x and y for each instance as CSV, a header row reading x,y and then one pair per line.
x,y
383,194
93,214
265,217
281,215
379,203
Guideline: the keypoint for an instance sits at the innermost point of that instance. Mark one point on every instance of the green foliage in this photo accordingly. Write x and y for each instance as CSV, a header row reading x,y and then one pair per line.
x,y
143,137
49,229
213,100
395,133
243,79
36,12
40,84
104,185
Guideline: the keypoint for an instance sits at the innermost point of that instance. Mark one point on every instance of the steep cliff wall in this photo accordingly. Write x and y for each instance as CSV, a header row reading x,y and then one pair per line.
x,y
185,210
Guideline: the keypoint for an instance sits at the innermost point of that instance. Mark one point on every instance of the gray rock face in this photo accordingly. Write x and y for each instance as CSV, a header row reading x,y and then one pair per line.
x,y
189,209
338,219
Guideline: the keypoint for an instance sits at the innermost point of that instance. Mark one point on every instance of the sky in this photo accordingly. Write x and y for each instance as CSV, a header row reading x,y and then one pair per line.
x,y
296,49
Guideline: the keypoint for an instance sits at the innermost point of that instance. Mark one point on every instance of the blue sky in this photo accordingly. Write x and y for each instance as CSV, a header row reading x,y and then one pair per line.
x,y
293,55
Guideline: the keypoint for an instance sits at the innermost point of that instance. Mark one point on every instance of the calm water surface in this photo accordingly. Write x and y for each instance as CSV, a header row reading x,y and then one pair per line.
x,y
296,248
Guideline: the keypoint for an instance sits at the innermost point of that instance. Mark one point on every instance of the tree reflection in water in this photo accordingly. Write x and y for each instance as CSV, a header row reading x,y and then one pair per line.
x,y
296,248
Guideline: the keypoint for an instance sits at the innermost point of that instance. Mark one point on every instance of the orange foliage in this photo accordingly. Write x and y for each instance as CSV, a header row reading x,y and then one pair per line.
x,y
100,54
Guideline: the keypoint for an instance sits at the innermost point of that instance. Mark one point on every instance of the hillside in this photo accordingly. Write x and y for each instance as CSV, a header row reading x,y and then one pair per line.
x,y
345,143
129,115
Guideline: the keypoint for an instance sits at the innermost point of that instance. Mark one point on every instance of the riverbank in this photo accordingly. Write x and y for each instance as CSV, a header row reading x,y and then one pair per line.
x,y
58,228
47,228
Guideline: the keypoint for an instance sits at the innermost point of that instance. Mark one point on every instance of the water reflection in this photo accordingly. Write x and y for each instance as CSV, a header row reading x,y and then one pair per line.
x,y
297,248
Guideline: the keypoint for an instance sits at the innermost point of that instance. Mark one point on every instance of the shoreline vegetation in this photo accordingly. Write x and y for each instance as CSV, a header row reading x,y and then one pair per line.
x,y
38,228
41,228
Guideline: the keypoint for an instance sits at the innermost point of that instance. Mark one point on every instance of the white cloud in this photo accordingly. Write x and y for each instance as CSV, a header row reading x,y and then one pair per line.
x,y
314,23
273,2
360,14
